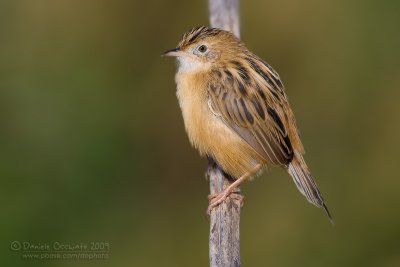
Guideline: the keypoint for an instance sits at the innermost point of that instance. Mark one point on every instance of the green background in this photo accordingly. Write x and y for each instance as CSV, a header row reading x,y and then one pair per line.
x,y
92,144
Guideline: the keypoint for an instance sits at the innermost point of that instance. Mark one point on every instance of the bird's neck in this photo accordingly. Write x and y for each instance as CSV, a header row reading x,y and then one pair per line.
x,y
191,66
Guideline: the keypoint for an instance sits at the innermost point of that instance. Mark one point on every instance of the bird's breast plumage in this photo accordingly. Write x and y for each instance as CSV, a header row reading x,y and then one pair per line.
x,y
207,132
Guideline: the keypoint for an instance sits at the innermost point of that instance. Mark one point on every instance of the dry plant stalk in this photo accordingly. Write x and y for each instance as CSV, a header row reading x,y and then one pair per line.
x,y
224,242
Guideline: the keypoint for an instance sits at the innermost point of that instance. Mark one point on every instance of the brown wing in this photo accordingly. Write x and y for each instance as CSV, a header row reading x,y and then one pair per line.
x,y
251,101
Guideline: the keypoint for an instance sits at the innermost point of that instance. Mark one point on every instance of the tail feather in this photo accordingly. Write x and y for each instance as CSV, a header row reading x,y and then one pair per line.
x,y
305,183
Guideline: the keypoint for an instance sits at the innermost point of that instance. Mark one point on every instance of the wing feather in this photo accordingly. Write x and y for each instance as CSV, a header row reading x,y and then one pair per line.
x,y
252,102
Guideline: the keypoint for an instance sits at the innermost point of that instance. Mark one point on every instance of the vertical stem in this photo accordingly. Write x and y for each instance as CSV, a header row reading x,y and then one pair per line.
x,y
224,14
224,242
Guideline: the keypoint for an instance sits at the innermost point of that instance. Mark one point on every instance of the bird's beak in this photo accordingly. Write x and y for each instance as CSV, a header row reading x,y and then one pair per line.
x,y
176,52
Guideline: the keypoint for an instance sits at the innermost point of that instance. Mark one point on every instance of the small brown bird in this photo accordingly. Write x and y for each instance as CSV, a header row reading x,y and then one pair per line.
x,y
236,111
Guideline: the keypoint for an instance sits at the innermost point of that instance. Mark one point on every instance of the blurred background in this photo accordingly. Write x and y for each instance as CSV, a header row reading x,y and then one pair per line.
x,y
93,146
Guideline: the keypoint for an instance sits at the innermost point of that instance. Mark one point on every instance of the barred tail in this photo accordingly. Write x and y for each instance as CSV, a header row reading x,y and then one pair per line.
x,y
305,183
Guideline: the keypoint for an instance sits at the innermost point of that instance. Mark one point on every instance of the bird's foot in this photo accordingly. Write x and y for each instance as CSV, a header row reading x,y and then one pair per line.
x,y
216,199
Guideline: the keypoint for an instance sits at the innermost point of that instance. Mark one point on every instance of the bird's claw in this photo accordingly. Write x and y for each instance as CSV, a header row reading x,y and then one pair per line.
x,y
216,199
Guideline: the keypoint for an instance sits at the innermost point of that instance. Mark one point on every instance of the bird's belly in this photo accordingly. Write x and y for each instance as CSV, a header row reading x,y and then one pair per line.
x,y
212,137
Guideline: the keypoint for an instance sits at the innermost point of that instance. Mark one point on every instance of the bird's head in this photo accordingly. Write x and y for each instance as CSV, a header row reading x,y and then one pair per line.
x,y
202,47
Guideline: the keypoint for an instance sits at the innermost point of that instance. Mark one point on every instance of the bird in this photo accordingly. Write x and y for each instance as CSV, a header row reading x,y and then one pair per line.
x,y
236,112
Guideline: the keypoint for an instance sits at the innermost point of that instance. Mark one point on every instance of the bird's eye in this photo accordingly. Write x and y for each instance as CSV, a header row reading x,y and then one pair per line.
x,y
202,48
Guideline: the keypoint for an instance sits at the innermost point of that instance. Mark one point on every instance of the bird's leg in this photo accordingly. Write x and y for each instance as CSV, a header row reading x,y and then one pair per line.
x,y
216,199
